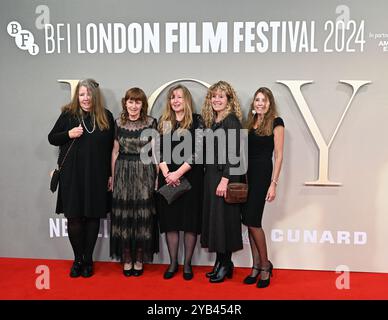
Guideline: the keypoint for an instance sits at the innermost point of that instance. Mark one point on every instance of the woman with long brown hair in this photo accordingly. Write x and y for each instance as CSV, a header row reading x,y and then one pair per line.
x,y
265,139
84,132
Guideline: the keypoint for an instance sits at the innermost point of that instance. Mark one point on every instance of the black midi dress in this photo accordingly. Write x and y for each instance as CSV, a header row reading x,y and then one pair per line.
x,y
185,213
260,151
221,222
83,182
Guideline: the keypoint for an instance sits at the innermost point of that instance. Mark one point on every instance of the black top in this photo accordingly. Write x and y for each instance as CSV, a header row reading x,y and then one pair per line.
x,y
230,124
84,176
261,147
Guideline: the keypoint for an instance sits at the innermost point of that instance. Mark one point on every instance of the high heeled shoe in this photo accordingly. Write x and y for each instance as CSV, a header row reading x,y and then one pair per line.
x,y
127,269
265,283
214,271
250,279
169,274
138,272
188,275
226,270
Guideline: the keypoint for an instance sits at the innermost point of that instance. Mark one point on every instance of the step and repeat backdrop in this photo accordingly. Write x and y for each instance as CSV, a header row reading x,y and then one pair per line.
x,y
326,63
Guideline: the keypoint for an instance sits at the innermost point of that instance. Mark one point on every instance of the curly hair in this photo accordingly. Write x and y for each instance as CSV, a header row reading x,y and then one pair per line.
x,y
233,104
265,126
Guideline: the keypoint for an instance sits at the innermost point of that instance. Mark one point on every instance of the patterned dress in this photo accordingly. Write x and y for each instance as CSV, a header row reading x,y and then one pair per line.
x,y
133,217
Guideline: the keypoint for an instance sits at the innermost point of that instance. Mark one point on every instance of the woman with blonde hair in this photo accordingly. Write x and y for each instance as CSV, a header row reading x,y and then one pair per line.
x,y
221,226
84,133
265,139
178,126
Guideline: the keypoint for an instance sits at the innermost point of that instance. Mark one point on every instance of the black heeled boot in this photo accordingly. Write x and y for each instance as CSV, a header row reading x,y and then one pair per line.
x,y
225,270
87,269
265,283
76,269
216,267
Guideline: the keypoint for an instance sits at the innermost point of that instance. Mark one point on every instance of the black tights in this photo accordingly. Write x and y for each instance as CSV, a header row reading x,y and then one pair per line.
x,y
224,258
190,239
83,233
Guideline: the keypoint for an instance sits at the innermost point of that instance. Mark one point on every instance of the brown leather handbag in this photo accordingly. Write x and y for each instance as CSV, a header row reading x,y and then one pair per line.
x,y
237,192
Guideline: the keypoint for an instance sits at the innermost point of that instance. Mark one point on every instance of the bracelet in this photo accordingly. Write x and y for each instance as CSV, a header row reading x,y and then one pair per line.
x,y
275,182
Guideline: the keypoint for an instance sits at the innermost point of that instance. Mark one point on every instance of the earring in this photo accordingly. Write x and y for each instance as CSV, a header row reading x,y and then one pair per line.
x,y
254,112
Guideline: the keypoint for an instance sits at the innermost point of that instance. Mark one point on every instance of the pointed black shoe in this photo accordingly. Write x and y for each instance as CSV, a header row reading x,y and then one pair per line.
x,y
212,273
251,280
225,270
76,269
188,275
265,283
170,274
87,270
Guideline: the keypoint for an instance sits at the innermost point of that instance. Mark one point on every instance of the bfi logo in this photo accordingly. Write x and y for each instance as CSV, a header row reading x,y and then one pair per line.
x,y
24,39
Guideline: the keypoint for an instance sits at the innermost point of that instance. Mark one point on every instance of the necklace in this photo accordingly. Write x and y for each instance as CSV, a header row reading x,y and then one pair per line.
x,y
86,128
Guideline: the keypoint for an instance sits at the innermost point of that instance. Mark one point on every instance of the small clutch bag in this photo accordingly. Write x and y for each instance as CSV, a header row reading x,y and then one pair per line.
x,y
54,180
171,193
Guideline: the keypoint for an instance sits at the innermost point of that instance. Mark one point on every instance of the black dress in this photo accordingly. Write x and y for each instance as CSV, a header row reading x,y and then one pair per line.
x,y
184,214
260,150
83,181
221,222
133,224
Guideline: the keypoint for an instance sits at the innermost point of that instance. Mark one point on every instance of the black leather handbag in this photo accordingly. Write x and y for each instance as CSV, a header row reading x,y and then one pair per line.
x,y
171,193
54,181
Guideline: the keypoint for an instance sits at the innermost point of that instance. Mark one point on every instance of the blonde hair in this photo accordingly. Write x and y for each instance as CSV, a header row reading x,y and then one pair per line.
x,y
233,105
265,127
168,119
97,107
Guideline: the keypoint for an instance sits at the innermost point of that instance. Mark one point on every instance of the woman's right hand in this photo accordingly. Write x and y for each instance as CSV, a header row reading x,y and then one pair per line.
x,y
76,132
110,184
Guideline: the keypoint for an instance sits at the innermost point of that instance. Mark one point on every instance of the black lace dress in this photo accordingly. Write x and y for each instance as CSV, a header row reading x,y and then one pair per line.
x,y
133,217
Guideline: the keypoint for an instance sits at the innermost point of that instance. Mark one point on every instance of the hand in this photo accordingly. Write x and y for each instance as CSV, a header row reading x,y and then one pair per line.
x,y
221,188
271,194
76,132
173,178
110,184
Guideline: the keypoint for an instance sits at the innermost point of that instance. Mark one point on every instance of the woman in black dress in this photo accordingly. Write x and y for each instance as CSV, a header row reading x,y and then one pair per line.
x,y
265,138
177,126
133,237
221,226
83,194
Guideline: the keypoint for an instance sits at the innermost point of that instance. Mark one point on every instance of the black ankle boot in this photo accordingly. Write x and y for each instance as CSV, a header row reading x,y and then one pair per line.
x,y
226,270
87,269
76,269
215,270
265,283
